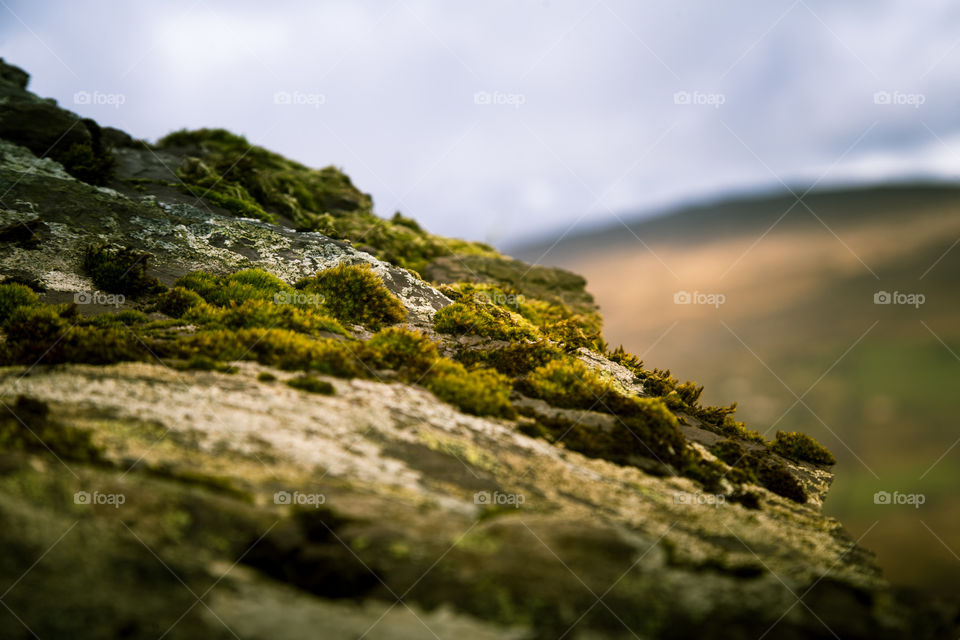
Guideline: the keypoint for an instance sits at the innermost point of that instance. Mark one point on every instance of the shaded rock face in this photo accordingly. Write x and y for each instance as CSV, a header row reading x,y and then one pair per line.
x,y
13,75
31,121
50,131
139,500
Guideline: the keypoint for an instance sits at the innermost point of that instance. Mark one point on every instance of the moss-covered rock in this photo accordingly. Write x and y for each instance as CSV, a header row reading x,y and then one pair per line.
x,y
422,453
481,392
119,270
354,294
801,447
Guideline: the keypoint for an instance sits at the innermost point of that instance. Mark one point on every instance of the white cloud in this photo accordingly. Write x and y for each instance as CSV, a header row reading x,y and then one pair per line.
x,y
595,85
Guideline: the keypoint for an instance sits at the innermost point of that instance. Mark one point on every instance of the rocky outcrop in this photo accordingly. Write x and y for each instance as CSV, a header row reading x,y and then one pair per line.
x,y
142,499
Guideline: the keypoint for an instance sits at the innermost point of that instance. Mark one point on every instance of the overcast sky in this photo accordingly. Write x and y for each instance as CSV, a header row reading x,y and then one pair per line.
x,y
498,119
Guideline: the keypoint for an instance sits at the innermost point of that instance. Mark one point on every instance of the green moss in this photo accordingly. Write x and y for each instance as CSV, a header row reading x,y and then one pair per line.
x,y
402,350
628,360
125,318
758,467
205,363
258,313
514,360
14,296
84,162
266,376
177,301
513,314
397,242
708,473
355,294
685,397
651,432
271,347
204,284
567,383
727,425
662,384
484,320
250,181
402,220
247,284
780,481
482,392
730,451
27,426
237,202
801,447
119,270
265,180
51,335
311,384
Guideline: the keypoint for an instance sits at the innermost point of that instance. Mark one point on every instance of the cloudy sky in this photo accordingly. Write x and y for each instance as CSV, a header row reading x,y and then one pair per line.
x,y
499,119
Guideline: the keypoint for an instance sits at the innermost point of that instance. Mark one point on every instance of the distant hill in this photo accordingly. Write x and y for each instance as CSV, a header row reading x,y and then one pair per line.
x,y
746,213
798,313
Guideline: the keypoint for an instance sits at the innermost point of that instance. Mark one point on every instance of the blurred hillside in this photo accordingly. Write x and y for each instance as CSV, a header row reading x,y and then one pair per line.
x,y
798,340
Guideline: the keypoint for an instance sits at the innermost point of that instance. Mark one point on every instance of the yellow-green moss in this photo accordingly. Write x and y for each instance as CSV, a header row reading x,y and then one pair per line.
x,y
486,320
685,397
517,359
311,384
551,319
402,350
247,284
758,467
480,392
259,313
355,294
651,431
127,317
51,335
801,447
567,383
177,301
119,270
250,181
272,347
14,296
